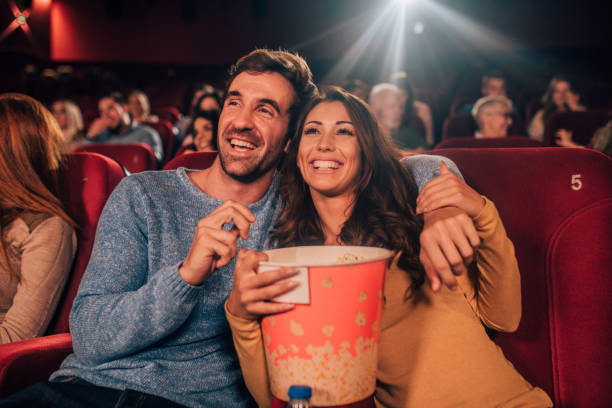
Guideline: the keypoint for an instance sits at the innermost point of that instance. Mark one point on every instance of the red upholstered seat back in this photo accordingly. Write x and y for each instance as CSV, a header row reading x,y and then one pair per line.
x,y
464,125
582,124
166,132
556,205
512,141
88,180
169,113
197,160
135,157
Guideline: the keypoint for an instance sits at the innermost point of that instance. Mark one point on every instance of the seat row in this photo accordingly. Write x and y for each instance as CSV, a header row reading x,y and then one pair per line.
x,y
556,205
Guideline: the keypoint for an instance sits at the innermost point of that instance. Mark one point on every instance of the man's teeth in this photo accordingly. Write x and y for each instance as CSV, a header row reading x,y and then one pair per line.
x,y
325,164
242,143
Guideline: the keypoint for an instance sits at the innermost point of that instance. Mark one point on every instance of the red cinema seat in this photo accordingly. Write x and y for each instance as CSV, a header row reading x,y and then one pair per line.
x,y
582,125
168,113
470,142
89,179
556,205
166,132
197,160
135,157
464,125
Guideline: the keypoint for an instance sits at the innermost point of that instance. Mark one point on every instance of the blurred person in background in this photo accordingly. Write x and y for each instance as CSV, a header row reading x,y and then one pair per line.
x,y
116,126
412,107
139,108
601,141
38,240
493,115
388,107
202,133
357,87
69,118
561,96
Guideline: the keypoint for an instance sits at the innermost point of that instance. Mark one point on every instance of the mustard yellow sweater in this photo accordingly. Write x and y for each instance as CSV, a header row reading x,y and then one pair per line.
x,y
434,351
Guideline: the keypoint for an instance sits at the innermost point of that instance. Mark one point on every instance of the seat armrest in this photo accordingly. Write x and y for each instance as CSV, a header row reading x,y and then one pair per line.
x,y
27,362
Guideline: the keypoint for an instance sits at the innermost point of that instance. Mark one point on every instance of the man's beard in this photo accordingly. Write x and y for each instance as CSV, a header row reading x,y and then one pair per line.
x,y
256,169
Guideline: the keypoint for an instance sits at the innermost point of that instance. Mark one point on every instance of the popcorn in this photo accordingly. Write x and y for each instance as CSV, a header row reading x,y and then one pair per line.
x,y
350,258
363,296
327,283
337,376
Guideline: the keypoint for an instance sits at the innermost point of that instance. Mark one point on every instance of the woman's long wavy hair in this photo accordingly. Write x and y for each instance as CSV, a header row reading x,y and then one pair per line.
x,y
30,160
383,213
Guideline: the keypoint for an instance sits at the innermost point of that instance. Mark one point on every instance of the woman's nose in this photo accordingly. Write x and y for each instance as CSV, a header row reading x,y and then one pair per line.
x,y
326,142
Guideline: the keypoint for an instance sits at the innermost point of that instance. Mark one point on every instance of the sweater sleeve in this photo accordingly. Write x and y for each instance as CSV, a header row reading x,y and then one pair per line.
x,y
249,347
45,264
121,306
425,167
497,299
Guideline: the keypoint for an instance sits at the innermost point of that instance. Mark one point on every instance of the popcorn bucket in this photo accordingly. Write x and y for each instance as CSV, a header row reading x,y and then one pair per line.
x,y
329,341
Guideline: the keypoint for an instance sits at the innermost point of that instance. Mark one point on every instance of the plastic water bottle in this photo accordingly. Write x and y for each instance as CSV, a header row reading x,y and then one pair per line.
x,y
299,396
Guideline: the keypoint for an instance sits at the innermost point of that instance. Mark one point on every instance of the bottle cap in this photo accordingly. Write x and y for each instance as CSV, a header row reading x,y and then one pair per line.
x,y
300,391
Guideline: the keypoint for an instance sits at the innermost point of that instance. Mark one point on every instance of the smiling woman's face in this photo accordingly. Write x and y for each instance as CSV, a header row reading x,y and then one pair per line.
x,y
329,155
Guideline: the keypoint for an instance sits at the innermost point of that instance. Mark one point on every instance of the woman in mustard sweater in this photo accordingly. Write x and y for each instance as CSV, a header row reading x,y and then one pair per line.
x,y
347,187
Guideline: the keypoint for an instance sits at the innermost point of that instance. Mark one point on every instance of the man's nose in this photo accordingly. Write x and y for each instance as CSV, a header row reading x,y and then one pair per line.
x,y
243,119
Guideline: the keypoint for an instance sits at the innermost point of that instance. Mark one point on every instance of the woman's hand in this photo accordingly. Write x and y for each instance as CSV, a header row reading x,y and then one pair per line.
x,y
448,190
564,138
252,291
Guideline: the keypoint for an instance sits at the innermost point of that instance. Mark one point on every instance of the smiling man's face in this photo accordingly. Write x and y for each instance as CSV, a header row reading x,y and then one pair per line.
x,y
253,124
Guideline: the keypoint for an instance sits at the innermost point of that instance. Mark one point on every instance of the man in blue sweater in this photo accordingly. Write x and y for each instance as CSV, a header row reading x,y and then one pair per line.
x,y
148,322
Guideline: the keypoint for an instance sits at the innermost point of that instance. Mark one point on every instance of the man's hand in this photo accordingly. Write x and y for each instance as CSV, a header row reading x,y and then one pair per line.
x,y
449,190
98,126
447,245
212,247
252,290
448,239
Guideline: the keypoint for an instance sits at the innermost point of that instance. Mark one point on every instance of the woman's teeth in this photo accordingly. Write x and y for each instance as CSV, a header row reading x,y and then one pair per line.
x,y
325,164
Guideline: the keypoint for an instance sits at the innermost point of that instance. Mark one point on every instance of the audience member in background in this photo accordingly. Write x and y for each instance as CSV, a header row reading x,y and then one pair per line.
x,y
561,96
493,115
116,126
601,141
357,87
412,107
69,118
38,240
388,108
427,336
493,83
202,133
140,108
190,110
208,101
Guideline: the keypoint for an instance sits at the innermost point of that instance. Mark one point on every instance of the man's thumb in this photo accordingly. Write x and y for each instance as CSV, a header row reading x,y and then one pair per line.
x,y
443,168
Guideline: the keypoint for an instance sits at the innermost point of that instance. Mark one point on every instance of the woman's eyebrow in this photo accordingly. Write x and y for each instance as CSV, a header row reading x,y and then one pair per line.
x,y
342,122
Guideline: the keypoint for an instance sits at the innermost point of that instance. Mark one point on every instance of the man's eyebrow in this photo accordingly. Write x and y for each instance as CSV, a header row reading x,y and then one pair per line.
x,y
233,93
272,103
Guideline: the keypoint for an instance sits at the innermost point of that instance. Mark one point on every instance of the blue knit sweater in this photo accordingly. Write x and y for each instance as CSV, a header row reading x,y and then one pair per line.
x,y
135,323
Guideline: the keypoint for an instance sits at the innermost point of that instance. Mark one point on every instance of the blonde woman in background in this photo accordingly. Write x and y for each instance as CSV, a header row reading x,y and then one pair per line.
x,y
69,118
140,108
38,237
